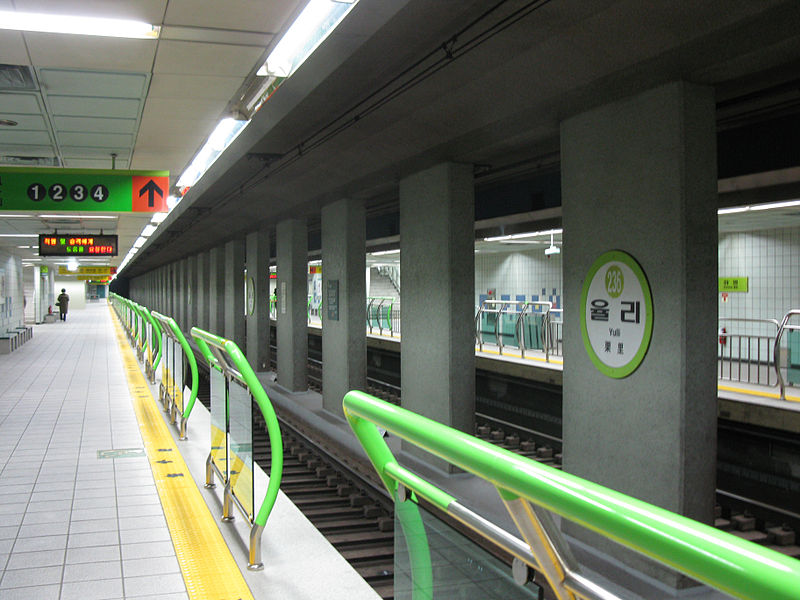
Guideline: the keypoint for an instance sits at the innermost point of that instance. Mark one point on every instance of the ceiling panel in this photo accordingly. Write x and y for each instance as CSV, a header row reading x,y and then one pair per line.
x,y
171,134
15,136
90,52
94,152
193,86
30,122
185,58
93,163
21,104
246,15
62,123
12,48
186,109
82,83
169,159
28,150
100,107
141,10
100,140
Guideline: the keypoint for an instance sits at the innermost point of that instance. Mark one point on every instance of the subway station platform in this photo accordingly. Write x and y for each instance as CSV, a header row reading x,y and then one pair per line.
x,y
100,501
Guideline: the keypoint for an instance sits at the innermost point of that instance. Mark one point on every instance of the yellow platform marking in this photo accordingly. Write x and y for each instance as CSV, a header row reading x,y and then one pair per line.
x,y
763,394
552,361
209,570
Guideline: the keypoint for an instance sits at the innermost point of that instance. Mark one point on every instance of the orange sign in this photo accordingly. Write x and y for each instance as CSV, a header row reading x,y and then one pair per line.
x,y
150,193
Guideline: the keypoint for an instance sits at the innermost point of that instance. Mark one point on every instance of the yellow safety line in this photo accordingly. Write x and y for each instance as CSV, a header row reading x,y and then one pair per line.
x,y
726,388
209,570
552,361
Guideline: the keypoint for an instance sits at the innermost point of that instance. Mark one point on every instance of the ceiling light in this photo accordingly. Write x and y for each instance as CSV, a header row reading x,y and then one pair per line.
x,y
139,242
383,252
516,236
72,264
735,209
148,230
21,21
159,217
772,205
172,201
312,26
76,216
36,235
5,216
223,135
553,249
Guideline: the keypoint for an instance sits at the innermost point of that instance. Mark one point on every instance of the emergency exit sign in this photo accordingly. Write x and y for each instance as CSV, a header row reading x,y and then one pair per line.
x,y
90,190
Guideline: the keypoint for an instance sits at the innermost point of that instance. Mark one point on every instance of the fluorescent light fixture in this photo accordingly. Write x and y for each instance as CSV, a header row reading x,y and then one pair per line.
x,y
25,246
517,236
735,209
139,242
160,217
315,262
223,135
72,264
172,202
22,21
384,252
552,250
766,206
771,205
312,26
5,216
148,230
75,216
36,235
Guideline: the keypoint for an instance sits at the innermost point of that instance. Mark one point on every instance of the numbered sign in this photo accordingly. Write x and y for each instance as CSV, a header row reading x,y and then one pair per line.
x,y
616,314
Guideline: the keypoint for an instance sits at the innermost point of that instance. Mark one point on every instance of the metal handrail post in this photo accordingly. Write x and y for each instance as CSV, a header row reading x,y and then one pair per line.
x,y
236,366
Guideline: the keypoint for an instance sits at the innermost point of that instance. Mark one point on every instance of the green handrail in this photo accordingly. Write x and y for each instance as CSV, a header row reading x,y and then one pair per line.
x,y
737,567
141,338
248,377
156,335
169,324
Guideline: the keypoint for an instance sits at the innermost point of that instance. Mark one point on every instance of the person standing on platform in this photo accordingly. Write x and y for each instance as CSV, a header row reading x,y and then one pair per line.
x,y
63,303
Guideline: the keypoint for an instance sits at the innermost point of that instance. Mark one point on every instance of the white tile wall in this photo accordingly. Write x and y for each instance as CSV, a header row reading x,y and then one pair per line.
x,y
513,273
771,260
11,305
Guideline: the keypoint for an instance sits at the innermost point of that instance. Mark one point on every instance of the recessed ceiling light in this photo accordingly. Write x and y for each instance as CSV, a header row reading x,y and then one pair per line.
x,y
76,216
22,21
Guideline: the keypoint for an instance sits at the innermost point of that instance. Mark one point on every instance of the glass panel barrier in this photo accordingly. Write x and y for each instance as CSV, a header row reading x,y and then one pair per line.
x,y
460,569
241,445
219,424
176,392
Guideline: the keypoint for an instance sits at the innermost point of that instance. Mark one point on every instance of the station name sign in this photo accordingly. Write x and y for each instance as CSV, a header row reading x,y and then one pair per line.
x,y
77,245
88,190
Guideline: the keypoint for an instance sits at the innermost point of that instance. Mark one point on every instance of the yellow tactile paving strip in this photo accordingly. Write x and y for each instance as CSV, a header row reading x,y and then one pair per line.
x,y
208,568
749,392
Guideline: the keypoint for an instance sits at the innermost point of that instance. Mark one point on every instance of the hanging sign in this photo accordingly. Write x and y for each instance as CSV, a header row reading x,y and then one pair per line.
x,y
616,314
733,284
90,190
106,270
75,245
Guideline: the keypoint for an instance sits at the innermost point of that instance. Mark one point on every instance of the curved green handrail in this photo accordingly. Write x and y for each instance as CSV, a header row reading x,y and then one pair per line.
x,y
170,325
249,378
737,567
141,338
156,335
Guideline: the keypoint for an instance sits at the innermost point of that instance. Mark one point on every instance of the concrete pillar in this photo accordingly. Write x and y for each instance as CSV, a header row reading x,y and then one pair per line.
x,y
173,290
437,266
181,298
257,301
202,290
639,175
344,343
234,292
216,291
292,259
191,293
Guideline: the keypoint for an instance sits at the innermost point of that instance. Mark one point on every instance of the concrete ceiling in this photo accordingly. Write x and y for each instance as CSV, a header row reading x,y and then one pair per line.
x,y
391,93
78,99
399,86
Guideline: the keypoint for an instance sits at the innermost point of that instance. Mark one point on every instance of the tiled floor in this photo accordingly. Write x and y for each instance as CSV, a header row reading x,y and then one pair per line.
x,y
74,525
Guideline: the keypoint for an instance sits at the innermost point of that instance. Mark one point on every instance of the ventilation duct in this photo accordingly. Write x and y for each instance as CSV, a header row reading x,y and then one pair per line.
x,y
17,78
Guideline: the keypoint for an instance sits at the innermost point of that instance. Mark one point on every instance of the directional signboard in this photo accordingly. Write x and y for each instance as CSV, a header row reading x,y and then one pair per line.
x,y
53,189
52,244
106,270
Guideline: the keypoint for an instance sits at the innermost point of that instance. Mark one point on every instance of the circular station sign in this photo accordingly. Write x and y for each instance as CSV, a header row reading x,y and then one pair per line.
x,y
616,314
